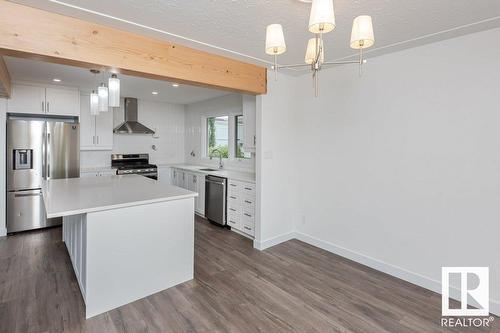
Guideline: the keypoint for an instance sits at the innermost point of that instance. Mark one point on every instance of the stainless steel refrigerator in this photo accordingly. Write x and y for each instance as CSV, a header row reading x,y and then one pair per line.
x,y
37,149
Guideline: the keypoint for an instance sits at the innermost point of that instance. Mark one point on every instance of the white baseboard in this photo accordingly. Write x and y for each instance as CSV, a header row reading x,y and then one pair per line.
x,y
262,245
3,232
412,277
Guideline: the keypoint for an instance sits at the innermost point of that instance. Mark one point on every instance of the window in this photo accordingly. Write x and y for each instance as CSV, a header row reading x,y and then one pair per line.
x,y
240,138
218,136
225,135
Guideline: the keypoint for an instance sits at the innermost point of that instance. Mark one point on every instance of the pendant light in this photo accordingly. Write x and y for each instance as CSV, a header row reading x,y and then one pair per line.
x,y
102,91
114,91
94,103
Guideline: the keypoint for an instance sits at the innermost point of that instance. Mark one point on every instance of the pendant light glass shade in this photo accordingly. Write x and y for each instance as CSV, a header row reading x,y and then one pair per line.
x,y
275,40
311,51
94,103
362,32
322,18
114,91
103,98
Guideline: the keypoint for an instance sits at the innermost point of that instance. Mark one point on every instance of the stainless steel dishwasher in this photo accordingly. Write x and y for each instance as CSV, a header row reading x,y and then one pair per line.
x,y
215,199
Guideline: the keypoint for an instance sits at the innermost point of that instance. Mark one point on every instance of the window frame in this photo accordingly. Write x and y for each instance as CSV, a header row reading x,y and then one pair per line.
x,y
231,136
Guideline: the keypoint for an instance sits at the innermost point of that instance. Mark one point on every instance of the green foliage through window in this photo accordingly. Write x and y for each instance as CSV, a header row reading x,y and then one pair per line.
x,y
218,136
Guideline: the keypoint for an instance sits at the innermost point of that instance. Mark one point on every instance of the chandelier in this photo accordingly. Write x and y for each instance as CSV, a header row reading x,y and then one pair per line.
x,y
321,21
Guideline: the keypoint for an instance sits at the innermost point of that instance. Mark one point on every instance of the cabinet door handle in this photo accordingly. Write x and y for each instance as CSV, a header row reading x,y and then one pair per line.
x,y
98,139
43,107
254,140
247,228
48,107
248,188
248,202
232,197
93,139
232,209
248,215
234,185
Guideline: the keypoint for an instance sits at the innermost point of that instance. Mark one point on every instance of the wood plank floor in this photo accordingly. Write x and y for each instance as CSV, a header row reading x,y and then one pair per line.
x,y
292,287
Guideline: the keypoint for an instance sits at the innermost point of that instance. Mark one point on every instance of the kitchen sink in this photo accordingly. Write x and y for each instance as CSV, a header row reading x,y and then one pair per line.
x,y
207,169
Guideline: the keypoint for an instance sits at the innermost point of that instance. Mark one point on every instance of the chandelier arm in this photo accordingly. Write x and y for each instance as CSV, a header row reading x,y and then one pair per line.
x,y
341,62
294,66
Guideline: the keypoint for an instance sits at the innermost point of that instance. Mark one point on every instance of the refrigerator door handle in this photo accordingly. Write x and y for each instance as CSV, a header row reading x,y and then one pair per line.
x,y
48,155
44,152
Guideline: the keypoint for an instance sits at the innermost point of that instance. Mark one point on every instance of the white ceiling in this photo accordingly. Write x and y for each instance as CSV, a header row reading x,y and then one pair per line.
x,y
239,26
130,86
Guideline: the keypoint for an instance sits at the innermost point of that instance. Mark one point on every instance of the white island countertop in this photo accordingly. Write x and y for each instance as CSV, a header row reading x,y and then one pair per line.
x,y
65,197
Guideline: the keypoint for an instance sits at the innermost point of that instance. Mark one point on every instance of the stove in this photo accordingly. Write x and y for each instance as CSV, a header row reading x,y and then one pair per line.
x,y
134,164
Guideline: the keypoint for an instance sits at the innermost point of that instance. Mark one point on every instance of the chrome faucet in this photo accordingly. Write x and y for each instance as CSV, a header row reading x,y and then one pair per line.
x,y
220,157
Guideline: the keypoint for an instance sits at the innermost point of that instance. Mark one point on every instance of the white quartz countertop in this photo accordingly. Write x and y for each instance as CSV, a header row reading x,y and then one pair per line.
x,y
65,197
230,174
96,169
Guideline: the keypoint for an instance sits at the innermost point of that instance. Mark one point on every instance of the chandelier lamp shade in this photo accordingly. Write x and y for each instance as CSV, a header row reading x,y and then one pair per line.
x,y
275,43
311,51
322,18
321,21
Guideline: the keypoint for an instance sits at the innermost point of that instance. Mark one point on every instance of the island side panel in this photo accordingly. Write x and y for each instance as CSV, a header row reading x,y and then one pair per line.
x,y
74,236
137,251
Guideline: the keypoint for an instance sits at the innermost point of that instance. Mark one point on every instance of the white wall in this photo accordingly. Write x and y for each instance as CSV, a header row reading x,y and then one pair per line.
x,y
166,118
196,113
400,169
3,128
277,156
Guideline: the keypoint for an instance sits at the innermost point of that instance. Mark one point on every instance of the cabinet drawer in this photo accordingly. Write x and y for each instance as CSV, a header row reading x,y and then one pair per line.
x,y
233,185
233,210
233,200
248,230
248,189
233,220
248,203
247,217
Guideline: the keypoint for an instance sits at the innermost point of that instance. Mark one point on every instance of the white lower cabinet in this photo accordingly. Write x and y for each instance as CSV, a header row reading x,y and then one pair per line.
x,y
241,206
191,181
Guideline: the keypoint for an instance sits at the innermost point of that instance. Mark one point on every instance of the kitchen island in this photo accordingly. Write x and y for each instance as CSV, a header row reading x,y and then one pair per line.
x,y
127,236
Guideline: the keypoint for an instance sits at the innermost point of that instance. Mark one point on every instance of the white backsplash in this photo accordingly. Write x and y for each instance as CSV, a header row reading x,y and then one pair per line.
x,y
165,118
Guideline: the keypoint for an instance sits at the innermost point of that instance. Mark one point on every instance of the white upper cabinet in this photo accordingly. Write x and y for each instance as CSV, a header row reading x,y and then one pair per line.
x,y
104,130
96,132
249,118
87,124
62,102
44,100
26,99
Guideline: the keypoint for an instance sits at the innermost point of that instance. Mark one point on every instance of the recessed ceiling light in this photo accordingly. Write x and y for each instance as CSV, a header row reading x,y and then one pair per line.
x,y
154,92
56,80
175,85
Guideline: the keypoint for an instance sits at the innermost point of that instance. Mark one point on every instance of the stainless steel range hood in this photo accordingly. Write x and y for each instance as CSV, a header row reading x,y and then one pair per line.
x,y
131,125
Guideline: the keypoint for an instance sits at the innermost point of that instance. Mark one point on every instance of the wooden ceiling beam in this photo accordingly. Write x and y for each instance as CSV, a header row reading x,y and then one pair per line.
x,y
37,34
5,86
